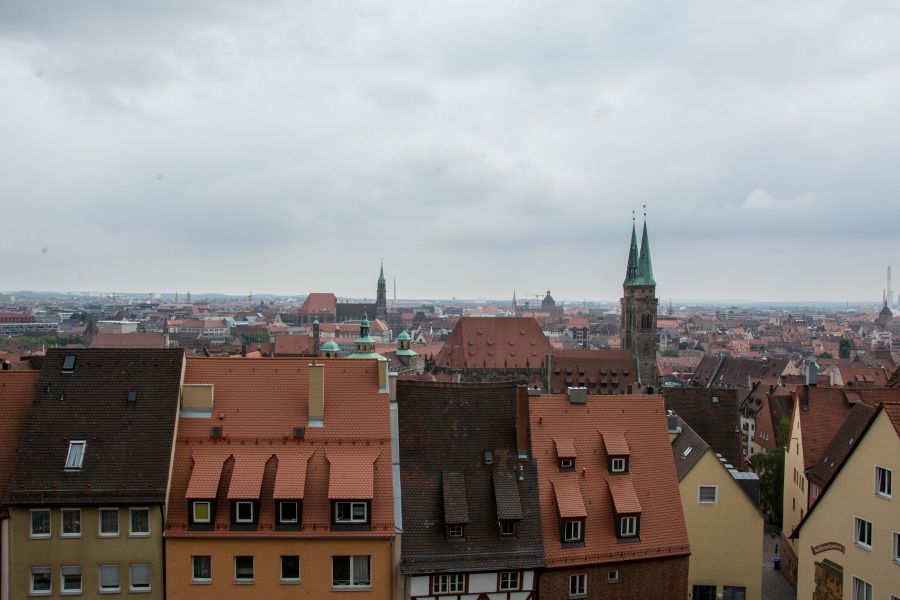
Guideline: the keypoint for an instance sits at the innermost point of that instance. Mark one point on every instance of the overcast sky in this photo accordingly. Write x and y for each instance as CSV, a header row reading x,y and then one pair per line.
x,y
478,147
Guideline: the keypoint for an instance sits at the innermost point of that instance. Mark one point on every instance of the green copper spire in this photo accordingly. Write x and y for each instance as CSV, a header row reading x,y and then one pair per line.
x,y
631,271
645,265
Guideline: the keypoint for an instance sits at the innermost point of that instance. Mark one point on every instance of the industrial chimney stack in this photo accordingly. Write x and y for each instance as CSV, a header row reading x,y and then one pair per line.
x,y
890,292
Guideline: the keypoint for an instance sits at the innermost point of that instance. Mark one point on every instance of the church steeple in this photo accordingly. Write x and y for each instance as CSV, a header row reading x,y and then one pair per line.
x,y
645,265
381,296
631,270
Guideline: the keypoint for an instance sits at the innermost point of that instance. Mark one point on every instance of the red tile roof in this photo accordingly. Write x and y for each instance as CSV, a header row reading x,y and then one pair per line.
x,y
128,340
16,392
351,475
258,402
287,345
569,502
615,443
247,476
495,343
625,498
565,448
641,421
319,302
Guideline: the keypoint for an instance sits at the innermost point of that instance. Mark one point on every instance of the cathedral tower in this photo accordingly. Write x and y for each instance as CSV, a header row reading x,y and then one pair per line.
x,y
381,297
639,307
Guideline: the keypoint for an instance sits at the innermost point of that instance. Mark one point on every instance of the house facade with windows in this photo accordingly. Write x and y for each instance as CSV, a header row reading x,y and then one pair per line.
x,y
849,543
87,496
611,512
471,516
724,524
282,481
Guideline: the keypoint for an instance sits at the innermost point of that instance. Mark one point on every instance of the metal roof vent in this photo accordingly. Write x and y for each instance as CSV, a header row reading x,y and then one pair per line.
x,y
715,399
299,432
216,432
578,395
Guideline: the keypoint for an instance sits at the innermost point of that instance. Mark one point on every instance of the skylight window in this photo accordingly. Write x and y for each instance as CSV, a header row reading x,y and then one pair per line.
x,y
132,396
687,451
75,456
69,363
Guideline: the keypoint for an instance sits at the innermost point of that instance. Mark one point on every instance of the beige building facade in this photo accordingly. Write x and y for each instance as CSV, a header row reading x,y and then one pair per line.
x,y
795,485
849,545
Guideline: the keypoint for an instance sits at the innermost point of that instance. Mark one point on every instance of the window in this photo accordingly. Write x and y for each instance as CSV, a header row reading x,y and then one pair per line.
x,y
863,533
75,456
895,553
567,463
288,512
140,578
71,522
290,569
708,494
507,528
351,512
578,586
862,590
350,572
883,482
40,523
202,512
455,531
573,531
201,569
612,576
40,580
448,584
730,592
510,580
243,512
71,580
618,465
139,522
69,363
109,578
132,396
628,526
704,592
109,522
243,569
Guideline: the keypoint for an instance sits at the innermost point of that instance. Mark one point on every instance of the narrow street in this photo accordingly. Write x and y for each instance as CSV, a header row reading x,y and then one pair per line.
x,y
774,585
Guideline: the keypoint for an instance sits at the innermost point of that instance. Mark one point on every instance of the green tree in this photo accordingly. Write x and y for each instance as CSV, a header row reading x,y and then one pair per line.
x,y
824,355
670,352
259,337
844,348
770,468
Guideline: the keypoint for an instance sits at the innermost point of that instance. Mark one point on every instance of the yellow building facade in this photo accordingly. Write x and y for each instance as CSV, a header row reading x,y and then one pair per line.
x,y
794,507
849,546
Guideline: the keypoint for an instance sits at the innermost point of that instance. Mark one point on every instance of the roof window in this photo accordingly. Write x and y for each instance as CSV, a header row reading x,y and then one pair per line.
x,y
69,363
75,456
132,396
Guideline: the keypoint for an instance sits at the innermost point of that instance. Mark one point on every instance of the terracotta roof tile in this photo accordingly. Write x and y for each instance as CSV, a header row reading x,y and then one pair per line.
x,y
290,480
625,498
495,343
565,448
569,501
319,302
16,392
205,474
246,478
351,474
128,340
456,509
615,443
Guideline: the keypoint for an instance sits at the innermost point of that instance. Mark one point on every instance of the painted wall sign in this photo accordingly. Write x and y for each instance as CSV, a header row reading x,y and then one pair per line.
x,y
826,547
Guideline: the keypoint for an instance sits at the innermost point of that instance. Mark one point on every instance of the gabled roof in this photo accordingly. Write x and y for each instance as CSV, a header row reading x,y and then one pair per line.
x,y
687,449
494,343
641,421
445,429
318,303
719,423
841,444
17,389
128,340
258,403
128,444
293,345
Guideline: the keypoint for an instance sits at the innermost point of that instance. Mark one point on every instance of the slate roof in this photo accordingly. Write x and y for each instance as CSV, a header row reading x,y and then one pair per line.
x,y
841,444
717,423
494,343
687,449
445,428
258,402
727,371
129,444
16,392
641,420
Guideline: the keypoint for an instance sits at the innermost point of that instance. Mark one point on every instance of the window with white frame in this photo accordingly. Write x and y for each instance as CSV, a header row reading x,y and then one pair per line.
x,y
573,531
628,526
71,579
863,533
288,512
139,522
243,569
41,581
243,512
612,576
567,463
40,523
109,579
708,494
109,522
351,512
510,580
290,569
201,569
75,456
895,552
578,585
448,584
139,578
618,465
507,527
70,522
351,572
862,590
883,482
456,531
202,511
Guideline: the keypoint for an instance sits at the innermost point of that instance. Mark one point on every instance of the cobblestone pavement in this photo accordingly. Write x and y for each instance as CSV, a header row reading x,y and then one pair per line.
x,y
774,585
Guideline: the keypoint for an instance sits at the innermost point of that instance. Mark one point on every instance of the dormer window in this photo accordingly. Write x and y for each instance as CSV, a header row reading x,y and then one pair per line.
x,y
573,531
457,532
507,528
75,457
201,511
618,464
567,464
351,512
288,512
243,511
628,526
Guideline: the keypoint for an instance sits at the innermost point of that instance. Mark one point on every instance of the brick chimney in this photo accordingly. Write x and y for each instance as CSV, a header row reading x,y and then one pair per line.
x,y
316,395
522,419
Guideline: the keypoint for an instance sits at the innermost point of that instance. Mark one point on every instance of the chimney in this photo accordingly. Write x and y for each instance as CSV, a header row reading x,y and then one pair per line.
x,y
522,421
316,395
244,350
7,366
804,400
578,395
672,421
384,369
812,373
316,337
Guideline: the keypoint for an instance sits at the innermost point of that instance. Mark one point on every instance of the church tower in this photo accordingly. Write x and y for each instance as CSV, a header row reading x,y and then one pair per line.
x,y
639,307
381,297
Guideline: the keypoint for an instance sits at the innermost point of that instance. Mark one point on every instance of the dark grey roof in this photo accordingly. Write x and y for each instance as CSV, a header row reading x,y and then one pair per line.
x,y
840,445
445,430
128,444
687,448
718,422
